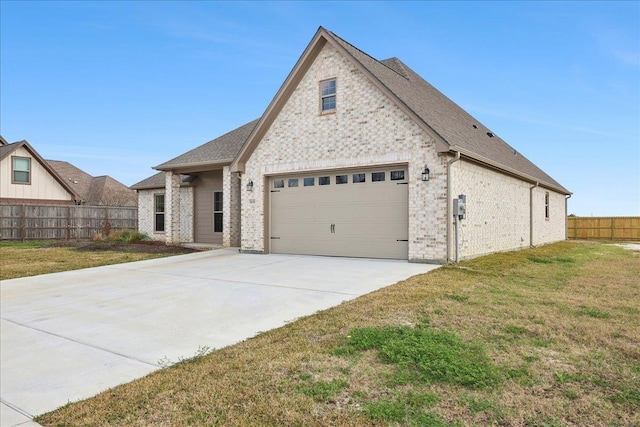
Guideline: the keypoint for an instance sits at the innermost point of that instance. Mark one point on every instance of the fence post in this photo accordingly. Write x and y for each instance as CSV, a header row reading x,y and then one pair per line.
x,y
23,223
613,222
69,222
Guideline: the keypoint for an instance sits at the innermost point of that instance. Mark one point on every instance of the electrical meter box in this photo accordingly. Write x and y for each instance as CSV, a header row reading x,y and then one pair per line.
x,y
460,206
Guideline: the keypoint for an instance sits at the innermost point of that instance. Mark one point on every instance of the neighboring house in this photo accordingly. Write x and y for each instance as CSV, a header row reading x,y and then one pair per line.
x,y
25,177
355,157
95,190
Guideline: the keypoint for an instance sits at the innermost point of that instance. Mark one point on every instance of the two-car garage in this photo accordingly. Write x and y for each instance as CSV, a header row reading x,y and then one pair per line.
x,y
353,213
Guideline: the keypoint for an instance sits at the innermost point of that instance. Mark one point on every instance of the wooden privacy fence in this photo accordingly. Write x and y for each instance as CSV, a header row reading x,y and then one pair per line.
x,y
63,222
603,228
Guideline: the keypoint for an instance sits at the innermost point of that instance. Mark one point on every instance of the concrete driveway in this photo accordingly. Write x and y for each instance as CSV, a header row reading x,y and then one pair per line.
x,y
68,336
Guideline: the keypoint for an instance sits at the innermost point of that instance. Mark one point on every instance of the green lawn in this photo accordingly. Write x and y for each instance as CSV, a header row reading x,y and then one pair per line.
x,y
32,258
541,337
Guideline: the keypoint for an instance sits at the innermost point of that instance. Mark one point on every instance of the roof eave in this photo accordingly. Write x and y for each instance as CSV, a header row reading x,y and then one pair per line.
x,y
193,167
499,166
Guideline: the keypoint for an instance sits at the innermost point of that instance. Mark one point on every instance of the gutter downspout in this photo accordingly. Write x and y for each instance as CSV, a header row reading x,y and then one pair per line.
x,y
531,214
449,204
566,217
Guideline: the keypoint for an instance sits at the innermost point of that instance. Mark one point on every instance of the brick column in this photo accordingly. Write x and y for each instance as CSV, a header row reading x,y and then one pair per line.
x,y
172,208
230,208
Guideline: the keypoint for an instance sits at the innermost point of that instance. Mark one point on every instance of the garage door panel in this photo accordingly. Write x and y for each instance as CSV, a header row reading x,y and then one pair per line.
x,y
363,219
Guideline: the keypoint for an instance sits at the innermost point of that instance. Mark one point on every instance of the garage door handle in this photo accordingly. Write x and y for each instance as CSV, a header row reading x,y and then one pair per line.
x,y
402,240
332,228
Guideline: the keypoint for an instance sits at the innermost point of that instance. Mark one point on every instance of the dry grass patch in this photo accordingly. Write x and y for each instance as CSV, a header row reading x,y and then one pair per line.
x,y
553,357
19,259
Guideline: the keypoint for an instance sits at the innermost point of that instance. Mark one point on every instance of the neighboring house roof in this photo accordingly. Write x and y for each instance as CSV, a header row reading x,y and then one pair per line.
x,y
5,150
95,191
76,178
3,141
217,151
453,128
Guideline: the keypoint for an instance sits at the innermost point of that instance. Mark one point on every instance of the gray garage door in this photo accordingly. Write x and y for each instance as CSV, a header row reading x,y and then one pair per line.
x,y
362,213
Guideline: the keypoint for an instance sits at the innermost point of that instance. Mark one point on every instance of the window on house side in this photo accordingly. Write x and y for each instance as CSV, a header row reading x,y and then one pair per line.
x,y
21,170
158,209
328,95
217,211
546,205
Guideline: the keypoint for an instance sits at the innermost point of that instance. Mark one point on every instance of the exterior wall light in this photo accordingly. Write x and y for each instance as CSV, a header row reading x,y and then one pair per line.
x,y
425,173
250,186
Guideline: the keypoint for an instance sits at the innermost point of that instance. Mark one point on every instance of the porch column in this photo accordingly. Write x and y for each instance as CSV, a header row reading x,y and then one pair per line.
x,y
172,207
230,208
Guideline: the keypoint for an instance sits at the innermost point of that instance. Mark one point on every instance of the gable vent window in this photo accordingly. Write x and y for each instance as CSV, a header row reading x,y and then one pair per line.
x,y
328,95
21,170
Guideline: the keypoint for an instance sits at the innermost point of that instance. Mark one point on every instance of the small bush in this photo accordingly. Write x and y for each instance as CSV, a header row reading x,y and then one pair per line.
x,y
124,236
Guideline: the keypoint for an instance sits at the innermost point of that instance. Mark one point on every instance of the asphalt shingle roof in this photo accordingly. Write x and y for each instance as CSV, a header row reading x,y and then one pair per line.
x,y
452,123
222,149
94,191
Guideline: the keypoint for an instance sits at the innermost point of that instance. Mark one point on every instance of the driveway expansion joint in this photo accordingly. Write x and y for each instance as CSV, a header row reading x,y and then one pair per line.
x,y
16,408
96,347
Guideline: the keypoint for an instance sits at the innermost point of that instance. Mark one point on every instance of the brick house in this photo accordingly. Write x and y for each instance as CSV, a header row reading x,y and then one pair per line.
x,y
356,157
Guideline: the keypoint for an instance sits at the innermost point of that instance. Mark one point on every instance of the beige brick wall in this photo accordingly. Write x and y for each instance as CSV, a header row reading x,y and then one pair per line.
x,y
554,228
367,129
499,211
146,214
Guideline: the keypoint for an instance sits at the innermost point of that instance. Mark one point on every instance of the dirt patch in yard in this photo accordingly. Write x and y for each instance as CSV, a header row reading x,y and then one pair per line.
x,y
148,247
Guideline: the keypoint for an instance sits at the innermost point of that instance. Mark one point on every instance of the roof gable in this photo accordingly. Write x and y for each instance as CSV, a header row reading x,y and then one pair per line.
x,y
453,129
6,150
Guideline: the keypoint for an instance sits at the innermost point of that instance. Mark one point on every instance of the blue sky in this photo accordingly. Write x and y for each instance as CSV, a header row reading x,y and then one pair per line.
x,y
118,87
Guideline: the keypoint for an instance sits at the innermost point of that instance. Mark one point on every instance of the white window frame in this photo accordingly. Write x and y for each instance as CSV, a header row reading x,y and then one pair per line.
x,y
328,95
218,210
547,213
157,212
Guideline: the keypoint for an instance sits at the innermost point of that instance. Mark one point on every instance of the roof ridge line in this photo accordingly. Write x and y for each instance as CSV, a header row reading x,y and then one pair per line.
x,y
365,53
